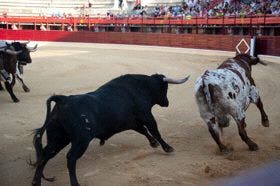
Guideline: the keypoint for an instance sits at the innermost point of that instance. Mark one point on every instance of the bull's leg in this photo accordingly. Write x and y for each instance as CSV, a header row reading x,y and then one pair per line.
x,y
48,153
151,125
142,130
25,88
215,135
76,151
39,172
1,87
10,90
265,121
57,140
13,80
242,132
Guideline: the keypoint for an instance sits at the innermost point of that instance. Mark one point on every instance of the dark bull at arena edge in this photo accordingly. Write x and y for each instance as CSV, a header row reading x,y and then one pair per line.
x,y
23,58
13,56
122,104
8,59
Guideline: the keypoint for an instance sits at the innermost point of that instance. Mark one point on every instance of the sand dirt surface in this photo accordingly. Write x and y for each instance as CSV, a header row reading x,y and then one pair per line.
x,y
127,158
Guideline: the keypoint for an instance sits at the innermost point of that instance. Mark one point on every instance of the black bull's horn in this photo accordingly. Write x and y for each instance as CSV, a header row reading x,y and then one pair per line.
x,y
32,49
2,48
175,81
9,51
21,42
24,42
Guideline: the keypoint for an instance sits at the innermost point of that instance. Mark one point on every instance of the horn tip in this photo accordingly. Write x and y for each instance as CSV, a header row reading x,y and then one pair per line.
x,y
188,77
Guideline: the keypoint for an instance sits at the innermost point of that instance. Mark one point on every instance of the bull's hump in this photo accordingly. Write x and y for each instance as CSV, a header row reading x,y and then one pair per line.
x,y
217,76
231,73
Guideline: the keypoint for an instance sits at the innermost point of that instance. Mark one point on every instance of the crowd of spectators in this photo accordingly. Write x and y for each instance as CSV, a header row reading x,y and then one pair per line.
x,y
203,8
186,9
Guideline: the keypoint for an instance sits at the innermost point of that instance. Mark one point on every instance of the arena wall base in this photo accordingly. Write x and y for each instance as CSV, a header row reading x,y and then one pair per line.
x,y
265,45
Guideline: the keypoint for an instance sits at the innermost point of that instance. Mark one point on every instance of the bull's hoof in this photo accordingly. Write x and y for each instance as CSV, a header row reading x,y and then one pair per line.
x,y
30,163
51,179
15,100
265,123
253,147
224,150
75,184
168,149
102,142
26,89
154,144
36,183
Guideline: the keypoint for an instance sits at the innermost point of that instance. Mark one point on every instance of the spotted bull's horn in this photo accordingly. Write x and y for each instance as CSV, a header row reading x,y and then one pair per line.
x,y
175,81
262,62
32,49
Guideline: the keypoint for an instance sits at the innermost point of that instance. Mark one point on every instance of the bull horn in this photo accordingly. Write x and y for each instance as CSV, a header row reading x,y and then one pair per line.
x,y
12,52
2,48
175,81
25,42
32,49
262,62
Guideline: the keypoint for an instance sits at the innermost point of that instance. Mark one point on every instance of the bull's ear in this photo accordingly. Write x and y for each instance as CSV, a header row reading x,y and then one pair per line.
x,y
160,76
253,60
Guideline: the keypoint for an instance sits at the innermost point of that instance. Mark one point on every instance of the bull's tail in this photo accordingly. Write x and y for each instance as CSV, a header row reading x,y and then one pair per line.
x,y
208,92
37,139
212,95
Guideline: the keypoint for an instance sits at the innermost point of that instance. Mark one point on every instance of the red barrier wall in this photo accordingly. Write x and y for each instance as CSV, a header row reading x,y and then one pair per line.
x,y
268,45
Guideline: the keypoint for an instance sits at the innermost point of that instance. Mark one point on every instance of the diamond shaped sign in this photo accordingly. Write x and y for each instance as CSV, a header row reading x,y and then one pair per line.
x,y
242,47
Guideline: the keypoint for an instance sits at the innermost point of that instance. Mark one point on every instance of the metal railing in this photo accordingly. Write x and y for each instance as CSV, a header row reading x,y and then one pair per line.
x,y
249,20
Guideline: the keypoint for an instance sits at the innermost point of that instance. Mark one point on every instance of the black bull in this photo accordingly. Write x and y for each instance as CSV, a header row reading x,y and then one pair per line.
x,y
121,104
13,56
8,59
22,59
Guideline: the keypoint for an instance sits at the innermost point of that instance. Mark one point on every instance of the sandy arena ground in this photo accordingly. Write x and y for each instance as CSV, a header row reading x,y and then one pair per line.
x,y
127,158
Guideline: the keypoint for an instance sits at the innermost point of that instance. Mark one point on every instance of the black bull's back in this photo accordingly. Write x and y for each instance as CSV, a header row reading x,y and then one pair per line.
x,y
96,115
114,107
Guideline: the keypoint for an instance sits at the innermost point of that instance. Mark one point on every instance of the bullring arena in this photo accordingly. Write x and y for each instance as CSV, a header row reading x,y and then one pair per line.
x,y
127,158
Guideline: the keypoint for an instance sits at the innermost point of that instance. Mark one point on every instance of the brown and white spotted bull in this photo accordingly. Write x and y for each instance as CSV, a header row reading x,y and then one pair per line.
x,y
228,91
